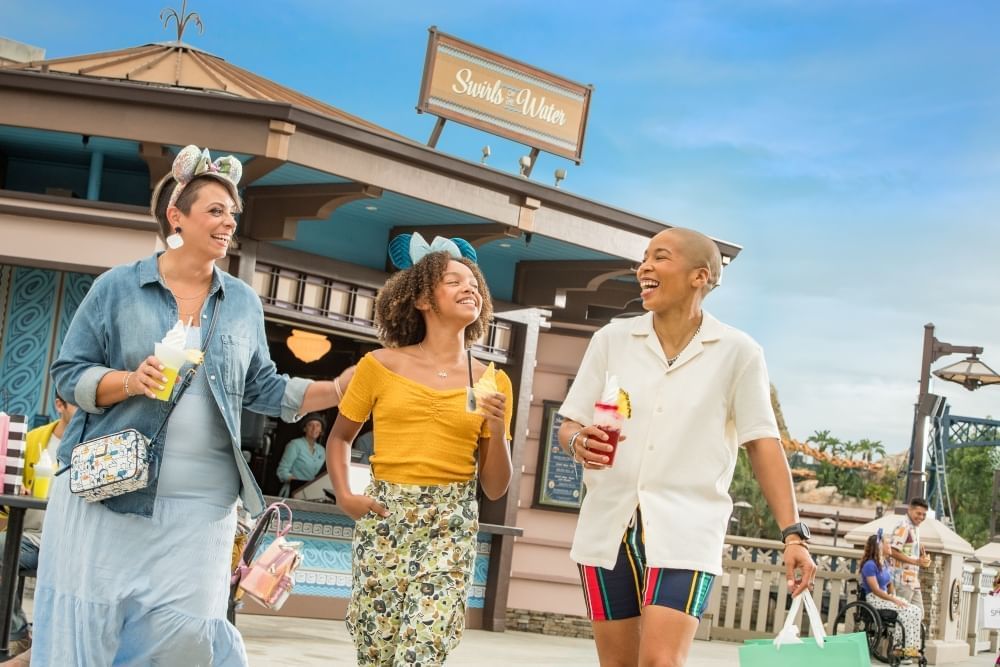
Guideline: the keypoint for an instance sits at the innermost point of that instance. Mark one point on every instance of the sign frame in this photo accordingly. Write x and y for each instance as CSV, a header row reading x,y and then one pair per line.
x,y
550,457
516,69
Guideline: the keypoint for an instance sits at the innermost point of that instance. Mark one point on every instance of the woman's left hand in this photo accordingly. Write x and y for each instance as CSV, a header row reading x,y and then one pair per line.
x,y
494,410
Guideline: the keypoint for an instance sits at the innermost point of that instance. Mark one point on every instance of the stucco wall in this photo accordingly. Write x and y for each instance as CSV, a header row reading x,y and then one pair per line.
x,y
543,578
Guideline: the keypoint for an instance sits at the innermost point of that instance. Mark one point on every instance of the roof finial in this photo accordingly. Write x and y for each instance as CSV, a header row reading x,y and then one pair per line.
x,y
181,19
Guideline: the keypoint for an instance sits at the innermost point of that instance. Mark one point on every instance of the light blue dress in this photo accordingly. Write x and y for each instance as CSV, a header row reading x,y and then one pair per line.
x,y
144,603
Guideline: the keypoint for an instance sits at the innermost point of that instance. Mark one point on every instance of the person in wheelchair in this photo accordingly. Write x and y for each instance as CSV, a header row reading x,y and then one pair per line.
x,y
878,591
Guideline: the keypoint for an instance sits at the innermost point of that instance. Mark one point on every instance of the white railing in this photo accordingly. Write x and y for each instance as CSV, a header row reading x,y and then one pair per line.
x,y
751,597
977,583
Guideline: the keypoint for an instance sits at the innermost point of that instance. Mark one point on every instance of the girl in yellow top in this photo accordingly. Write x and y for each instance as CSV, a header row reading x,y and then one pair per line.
x,y
416,524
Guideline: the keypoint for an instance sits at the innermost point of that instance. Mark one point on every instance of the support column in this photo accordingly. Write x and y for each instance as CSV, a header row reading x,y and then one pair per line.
x,y
94,177
502,552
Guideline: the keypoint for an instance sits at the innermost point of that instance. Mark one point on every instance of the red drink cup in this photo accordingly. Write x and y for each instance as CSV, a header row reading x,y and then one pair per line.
x,y
610,420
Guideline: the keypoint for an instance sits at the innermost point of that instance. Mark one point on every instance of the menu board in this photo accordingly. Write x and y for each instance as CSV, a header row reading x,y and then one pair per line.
x,y
558,479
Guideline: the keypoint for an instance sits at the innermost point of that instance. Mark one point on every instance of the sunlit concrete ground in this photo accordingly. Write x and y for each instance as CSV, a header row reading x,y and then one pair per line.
x,y
285,642
297,642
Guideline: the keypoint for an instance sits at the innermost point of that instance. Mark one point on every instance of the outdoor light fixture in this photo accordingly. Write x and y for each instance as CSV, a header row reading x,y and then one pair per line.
x,y
560,175
308,346
971,373
524,162
486,154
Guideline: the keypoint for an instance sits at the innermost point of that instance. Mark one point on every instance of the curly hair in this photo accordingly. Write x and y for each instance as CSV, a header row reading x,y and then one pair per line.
x,y
399,322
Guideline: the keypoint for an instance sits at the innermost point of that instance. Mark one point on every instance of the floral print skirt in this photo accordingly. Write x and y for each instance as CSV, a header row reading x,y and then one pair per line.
x,y
412,572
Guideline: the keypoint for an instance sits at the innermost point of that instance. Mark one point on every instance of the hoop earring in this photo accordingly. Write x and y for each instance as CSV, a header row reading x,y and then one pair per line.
x,y
175,241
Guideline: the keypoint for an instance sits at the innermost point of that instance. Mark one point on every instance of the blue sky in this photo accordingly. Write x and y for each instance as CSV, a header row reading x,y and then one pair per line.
x,y
852,148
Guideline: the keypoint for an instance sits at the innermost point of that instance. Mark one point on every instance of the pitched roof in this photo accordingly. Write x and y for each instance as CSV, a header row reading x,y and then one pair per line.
x,y
180,65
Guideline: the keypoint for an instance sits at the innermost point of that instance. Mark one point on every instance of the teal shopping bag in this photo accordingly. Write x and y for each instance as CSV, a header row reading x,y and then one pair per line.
x,y
788,650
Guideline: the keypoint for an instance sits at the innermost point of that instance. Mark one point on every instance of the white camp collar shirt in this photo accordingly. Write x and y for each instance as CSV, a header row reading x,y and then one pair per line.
x,y
678,461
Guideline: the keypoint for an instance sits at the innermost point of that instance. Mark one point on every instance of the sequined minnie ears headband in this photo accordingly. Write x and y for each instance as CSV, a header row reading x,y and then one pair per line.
x,y
407,249
192,162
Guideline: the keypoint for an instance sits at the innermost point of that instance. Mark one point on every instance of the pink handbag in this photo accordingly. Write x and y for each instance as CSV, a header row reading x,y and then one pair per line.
x,y
270,577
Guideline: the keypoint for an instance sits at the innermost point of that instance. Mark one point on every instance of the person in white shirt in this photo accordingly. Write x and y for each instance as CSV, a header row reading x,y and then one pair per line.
x,y
649,539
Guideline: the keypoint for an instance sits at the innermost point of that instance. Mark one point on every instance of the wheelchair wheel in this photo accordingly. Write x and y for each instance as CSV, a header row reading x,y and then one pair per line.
x,y
860,617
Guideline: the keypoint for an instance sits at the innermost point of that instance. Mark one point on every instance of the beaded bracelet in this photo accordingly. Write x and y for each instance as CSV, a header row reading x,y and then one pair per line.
x,y
128,375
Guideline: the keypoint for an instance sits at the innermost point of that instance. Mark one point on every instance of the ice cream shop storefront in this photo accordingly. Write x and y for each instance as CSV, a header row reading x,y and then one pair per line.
x,y
324,193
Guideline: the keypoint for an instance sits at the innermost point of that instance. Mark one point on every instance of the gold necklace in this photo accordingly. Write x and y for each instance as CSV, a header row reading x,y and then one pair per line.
x,y
188,298
671,360
442,373
178,297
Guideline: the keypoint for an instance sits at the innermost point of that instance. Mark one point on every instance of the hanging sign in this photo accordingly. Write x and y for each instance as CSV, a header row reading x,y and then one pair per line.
x,y
476,87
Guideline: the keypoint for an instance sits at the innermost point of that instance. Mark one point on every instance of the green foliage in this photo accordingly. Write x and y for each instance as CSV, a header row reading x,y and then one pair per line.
x,y
970,485
757,520
853,482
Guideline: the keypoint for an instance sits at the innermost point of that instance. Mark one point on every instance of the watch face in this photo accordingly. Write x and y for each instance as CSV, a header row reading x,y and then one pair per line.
x,y
800,529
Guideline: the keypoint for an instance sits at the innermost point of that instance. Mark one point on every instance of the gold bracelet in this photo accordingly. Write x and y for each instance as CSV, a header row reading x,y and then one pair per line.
x,y
128,375
336,388
801,543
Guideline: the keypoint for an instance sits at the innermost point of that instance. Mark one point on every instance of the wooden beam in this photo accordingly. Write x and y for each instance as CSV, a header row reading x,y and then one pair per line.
x,y
257,168
542,283
273,212
158,160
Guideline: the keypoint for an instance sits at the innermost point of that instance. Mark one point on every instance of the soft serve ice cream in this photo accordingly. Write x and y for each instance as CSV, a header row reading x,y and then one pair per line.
x,y
171,353
485,386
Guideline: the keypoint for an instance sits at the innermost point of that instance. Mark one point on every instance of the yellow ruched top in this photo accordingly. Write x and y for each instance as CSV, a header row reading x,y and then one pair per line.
x,y
421,435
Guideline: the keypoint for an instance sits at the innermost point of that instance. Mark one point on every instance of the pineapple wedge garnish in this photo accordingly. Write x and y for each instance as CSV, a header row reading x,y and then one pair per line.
x,y
624,404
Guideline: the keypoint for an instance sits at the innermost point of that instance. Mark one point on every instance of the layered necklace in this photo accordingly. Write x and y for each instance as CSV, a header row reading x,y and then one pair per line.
x,y
187,309
671,360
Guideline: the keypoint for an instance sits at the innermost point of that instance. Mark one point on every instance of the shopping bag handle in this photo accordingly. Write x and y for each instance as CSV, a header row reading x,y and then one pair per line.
x,y
789,631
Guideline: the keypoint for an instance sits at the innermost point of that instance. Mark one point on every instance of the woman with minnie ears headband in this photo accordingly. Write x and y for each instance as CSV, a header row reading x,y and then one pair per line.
x,y
143,578
416,524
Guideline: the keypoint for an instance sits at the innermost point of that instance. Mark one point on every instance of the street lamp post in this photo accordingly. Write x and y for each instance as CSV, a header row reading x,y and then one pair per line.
x,y
933,350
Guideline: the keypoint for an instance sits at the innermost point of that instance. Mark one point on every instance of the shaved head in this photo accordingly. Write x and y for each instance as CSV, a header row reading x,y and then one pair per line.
x,y
699,251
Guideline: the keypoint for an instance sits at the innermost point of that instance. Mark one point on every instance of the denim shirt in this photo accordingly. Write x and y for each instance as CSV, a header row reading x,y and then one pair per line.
x,y
127,310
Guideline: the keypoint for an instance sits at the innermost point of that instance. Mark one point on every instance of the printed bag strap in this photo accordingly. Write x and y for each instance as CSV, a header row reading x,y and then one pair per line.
x,y
191,372
188,377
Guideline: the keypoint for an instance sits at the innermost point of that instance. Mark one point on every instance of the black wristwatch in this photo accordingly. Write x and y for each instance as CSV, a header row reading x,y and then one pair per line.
x,y
800,529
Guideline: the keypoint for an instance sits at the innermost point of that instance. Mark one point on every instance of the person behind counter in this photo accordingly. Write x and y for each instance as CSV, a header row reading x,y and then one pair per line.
x,y
304,456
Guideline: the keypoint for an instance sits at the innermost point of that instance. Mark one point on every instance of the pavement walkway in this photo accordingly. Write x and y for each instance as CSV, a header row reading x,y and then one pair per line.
x,y
294,642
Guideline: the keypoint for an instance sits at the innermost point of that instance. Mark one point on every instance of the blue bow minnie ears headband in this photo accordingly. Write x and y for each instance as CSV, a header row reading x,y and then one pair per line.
x,y
407,249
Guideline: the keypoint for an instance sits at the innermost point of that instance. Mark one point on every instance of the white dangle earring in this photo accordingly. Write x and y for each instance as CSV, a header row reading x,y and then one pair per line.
x,y
175,241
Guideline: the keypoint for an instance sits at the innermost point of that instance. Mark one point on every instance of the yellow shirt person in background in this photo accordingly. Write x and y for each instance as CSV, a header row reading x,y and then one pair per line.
x,y
416,524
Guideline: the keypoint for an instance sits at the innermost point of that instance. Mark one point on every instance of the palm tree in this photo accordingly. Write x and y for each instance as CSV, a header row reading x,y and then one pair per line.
x,y
870,449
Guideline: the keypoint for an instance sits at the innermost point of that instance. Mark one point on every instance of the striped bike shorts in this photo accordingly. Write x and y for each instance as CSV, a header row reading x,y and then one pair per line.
x,y
623,591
